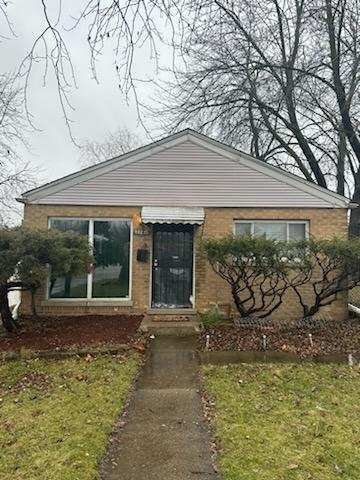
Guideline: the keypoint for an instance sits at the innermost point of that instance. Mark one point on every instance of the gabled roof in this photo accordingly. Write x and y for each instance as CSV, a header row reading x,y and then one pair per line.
x,y
174,140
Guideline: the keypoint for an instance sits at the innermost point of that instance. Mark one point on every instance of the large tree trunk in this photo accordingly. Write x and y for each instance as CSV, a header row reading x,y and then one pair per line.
x,y
354,225
340,169
5,312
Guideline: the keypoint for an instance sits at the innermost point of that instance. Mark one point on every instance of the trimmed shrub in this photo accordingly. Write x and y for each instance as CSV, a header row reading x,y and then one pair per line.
x,y
27,257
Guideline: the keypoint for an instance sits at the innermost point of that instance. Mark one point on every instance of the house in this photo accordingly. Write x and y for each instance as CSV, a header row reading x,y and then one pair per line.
x,y
144,212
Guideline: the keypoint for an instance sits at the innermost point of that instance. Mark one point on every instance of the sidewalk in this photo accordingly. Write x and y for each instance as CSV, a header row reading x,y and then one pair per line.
x,y
165,436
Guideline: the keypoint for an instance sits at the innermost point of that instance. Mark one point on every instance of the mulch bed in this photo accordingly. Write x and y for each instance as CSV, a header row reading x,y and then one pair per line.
x,y
51,333
334,337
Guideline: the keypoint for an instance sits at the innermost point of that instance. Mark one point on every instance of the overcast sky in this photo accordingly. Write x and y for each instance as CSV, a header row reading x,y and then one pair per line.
x,y
99,108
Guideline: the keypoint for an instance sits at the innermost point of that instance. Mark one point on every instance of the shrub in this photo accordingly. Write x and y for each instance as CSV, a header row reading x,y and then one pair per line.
x,y
331,266
212,317
260,270
26,257
256,269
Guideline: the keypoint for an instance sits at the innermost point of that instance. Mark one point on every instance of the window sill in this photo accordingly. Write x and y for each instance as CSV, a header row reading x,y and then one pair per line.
x,y
86,303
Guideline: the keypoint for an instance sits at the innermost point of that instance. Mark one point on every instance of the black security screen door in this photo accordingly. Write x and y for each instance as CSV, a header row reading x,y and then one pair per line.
x,y
172,276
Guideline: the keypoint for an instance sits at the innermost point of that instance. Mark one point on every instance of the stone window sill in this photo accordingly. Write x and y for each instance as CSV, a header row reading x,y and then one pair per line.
x,y
86,303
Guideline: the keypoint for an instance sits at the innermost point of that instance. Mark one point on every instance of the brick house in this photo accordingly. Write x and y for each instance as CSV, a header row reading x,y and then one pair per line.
x,y
144,212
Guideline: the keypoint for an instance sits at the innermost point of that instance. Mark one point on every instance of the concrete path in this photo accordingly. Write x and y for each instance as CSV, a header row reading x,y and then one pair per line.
x,y
165,436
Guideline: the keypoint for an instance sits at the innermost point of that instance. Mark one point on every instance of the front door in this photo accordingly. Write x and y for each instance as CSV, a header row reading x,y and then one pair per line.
x,y
172,270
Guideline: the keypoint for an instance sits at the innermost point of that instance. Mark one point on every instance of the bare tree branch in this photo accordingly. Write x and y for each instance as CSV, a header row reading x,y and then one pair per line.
x,y
15,173
115,144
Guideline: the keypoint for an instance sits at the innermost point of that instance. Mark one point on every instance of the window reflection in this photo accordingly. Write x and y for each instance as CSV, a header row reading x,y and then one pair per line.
x,y
111,245
69,286
112,252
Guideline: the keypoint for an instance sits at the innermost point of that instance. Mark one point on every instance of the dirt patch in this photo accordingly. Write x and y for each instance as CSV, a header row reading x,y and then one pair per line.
x,y
49,333
335,337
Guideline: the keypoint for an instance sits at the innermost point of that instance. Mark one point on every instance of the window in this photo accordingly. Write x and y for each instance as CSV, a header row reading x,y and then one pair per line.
x,y
277,230
112,253
110,278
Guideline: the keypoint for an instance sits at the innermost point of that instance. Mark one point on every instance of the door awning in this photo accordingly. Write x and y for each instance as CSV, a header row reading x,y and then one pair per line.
x,y
185,215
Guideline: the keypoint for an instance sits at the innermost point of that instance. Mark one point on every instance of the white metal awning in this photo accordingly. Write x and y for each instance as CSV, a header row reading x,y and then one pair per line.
x,y
185,215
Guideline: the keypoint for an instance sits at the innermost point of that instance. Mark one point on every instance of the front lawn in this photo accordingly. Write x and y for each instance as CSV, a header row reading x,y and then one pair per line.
x,y
286,422
56,416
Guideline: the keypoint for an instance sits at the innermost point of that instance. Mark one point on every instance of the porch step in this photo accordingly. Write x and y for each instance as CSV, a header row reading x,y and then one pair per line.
x,y
173,315
175,326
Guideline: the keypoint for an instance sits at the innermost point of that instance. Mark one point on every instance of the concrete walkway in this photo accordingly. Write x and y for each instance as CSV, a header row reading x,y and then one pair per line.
x,y
165,436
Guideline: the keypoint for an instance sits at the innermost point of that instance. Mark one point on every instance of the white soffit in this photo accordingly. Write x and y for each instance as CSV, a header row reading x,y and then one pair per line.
x,y
184,215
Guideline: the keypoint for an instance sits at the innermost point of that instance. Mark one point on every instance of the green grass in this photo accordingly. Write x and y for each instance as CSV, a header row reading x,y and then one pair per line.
x,y
56,418
286,422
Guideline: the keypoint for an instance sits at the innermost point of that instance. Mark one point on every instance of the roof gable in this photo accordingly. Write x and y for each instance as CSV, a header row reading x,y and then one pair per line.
x,y
186,169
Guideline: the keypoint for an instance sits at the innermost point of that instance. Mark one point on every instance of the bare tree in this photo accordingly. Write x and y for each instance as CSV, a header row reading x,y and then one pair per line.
x,y
279,78
115,144
15,174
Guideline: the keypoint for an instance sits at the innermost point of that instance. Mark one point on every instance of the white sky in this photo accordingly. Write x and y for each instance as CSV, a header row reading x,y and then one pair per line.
x,y
99,107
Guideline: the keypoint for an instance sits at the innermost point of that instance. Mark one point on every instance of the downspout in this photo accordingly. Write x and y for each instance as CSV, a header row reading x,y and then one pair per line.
x,y
15,309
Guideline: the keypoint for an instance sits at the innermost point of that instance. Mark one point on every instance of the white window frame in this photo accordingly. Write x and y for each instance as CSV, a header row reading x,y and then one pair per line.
x,y
288,222
90,274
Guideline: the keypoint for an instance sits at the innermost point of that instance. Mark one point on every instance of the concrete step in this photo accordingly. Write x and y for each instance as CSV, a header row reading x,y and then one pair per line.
x,y
171,314
175,327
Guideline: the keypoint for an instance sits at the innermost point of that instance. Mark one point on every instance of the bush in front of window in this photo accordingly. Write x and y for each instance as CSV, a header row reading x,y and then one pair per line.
x,y
260,270
331,266
25,259
256,269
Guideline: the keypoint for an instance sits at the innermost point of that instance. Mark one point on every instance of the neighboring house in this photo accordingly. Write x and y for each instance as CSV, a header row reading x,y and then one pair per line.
x,y
144,212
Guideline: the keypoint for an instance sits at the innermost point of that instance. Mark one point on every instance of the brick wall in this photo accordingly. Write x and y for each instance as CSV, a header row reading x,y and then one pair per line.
x,y
323,223
36,216
209,288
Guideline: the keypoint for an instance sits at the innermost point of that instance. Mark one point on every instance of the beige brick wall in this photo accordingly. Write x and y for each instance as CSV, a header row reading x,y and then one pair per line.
x,y
209,288
323,223
36,216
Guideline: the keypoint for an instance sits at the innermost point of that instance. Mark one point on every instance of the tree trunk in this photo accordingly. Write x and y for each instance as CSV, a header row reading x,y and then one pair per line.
x,y
354,226
238,303
344,106
5,312
340,169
